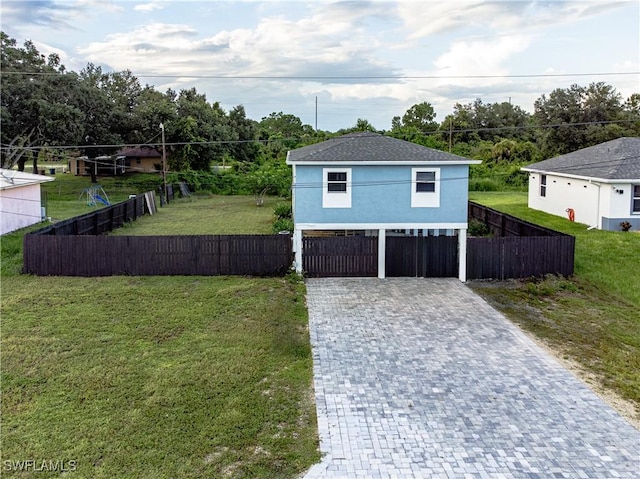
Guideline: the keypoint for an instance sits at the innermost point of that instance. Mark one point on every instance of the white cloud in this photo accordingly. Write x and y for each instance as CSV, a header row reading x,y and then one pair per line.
x,y
480,57
148,7
330,42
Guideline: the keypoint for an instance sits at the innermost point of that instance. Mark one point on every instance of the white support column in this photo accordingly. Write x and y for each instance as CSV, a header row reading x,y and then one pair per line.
x,y
382,248
462,255
297,249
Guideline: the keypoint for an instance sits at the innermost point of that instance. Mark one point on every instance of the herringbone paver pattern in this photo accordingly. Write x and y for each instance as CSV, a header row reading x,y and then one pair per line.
x,y
421,378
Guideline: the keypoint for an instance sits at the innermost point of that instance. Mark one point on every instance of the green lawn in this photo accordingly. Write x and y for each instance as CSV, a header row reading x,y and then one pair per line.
x,y
64,196
592,318
213,214
158,377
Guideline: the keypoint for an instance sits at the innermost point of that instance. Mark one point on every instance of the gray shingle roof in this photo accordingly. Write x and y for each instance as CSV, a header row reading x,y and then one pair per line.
x,y
368,147
613,160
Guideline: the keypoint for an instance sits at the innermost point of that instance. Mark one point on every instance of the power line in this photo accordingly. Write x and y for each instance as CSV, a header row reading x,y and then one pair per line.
x,y
349,77
4,146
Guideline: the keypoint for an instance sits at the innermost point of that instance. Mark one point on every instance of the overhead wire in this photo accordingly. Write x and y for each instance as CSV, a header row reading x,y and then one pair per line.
x,y
4,146
346,77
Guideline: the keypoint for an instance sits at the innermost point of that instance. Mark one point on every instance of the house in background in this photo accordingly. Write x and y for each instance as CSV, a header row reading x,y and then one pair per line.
x,y
143,159
598,186
20,199
377,185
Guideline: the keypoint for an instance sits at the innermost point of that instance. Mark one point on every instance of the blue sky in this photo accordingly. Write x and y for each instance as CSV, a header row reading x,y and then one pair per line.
x,y
360,59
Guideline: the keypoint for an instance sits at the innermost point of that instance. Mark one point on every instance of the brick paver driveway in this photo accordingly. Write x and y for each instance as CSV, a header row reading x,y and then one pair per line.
x,y
422,378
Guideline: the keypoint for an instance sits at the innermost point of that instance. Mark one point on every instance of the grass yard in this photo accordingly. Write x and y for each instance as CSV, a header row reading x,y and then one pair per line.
x,y
592,319
213,214
63,195
157,377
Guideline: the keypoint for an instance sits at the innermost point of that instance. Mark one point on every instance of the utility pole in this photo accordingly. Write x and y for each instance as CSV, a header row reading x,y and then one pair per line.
x,y
316,113
164,167
450,134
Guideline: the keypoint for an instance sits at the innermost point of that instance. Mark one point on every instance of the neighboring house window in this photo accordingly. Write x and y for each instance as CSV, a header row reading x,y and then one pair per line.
x,y
636,199
543,185
425,187
336,188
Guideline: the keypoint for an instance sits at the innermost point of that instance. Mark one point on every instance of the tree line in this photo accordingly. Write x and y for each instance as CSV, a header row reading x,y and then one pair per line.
x,y
48,111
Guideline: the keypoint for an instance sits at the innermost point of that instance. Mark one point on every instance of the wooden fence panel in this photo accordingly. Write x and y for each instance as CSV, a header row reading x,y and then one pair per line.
x,y
421,256
502,224
340,256
438,256
519,256
88,255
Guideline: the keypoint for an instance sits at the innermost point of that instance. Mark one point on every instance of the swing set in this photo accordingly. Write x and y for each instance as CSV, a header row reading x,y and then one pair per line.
x,y
95,194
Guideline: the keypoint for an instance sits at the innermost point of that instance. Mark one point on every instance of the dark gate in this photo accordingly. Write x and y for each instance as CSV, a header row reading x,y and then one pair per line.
x,y
340,256
422,256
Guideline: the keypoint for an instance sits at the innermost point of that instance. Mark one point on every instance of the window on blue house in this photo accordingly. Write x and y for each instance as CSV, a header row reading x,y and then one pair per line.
x,y
337,182
425,187
425,181
336,187
636,199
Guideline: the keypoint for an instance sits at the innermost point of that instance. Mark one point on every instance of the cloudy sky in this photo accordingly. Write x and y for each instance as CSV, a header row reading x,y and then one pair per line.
x,y
359,59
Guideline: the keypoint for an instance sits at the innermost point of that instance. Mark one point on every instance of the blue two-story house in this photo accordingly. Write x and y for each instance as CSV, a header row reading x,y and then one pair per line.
x,y
379,185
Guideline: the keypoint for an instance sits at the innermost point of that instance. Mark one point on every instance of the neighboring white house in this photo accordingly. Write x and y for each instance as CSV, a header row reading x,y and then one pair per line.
x,y
20,201
598,186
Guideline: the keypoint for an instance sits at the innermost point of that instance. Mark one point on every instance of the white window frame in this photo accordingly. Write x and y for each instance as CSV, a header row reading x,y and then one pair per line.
x,y
635,196
425,199
543,186
336,199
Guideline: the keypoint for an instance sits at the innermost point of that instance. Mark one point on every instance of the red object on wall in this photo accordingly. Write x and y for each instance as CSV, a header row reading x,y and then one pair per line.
x,y
572,214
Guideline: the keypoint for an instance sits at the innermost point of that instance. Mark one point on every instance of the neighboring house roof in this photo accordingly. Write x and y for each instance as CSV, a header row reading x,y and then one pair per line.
x,y
371,148
613,160
140,152
15,179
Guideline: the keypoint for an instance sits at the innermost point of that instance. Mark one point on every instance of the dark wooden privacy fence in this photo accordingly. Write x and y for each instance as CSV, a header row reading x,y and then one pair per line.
x,y
257,255
422,256
519,249
100,221
502,224
519,256
340,256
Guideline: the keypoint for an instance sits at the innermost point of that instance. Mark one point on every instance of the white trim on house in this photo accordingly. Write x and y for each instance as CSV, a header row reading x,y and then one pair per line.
x,y
579,177
378,226
384,163
425,199
336,199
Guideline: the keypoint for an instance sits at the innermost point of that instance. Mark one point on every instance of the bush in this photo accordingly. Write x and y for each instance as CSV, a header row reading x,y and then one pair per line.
x,y
484,184
283,224
283,211
478,228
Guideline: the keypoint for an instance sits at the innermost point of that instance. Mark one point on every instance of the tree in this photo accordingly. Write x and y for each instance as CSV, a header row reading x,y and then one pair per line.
x,y
281,132
37,104
201,130
490,122
420,116
244,132
575,117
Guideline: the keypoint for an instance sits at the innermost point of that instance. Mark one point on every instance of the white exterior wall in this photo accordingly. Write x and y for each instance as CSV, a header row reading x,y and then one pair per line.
x,y
591,200
19,207
584,197
617,205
